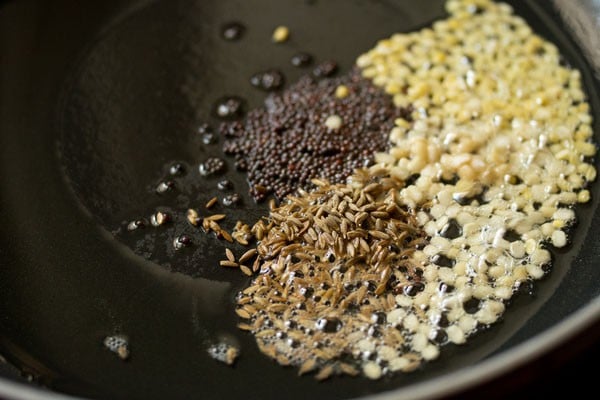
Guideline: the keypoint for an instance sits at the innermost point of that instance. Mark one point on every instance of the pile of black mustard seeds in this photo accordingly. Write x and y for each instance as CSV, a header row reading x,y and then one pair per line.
x,y
315,129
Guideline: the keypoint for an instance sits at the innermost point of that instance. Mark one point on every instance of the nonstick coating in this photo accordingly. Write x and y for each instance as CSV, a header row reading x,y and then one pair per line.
x,y
97,98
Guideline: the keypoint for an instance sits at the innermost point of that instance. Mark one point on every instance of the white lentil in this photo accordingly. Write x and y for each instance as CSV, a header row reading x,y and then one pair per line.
x,y
535,271
467,323
333,122
455,334
366,345
411,322
430,352
387,353
372,370
517,249
446,275
399,364
559,238
565,214
419,342
395,316
503,292
403,301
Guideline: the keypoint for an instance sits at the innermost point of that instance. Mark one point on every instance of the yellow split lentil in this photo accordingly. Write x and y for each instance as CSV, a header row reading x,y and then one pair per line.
x,y
499,143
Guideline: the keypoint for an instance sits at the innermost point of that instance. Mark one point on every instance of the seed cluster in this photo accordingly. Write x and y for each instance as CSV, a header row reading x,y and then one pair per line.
x,y
498,146
269,80
117,344
331,263
486,171
211,166
287,143
224,353
229,108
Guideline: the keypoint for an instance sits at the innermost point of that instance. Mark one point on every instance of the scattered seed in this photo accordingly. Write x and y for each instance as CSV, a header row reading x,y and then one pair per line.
x,y
307,366
216,217
192,217
324,373
248,255
211,202
159,218
123,353
228,264
244,326
226,235
229,255
281,34
247,271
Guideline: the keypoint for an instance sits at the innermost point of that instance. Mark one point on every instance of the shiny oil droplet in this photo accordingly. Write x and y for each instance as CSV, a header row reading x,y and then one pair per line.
x,y
232,31
301,60
176,169
211,166
182,241
231,200
269,80
225,184
229,108
165,186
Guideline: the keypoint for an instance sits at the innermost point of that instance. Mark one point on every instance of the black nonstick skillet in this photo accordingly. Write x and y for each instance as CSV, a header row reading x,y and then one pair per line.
x,y
99,98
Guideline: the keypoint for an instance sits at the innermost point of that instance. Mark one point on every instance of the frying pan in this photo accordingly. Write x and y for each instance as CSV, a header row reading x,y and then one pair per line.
x,y
98,98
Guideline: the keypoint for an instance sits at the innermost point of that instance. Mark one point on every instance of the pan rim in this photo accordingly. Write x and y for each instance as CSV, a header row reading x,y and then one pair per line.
x,y
500,364
446,385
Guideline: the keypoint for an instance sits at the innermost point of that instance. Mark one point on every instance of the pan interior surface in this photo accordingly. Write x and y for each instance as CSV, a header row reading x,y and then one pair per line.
x,y
98,101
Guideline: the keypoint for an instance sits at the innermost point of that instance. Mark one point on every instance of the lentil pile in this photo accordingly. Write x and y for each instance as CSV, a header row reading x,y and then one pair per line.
x,y
308,132
482,177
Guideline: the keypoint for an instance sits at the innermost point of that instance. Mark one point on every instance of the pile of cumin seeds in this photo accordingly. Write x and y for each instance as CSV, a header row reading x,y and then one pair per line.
x,y
331,262
311,131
